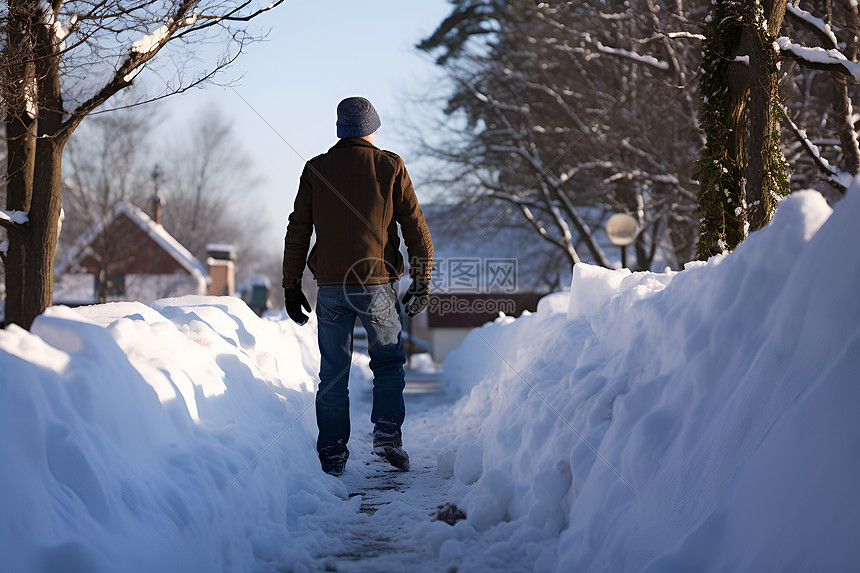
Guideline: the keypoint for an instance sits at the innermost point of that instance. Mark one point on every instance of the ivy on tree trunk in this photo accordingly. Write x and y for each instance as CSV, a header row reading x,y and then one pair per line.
x,y
743,172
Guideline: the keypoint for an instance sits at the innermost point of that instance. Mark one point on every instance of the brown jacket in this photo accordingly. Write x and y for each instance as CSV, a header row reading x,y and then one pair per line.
x,y
354,195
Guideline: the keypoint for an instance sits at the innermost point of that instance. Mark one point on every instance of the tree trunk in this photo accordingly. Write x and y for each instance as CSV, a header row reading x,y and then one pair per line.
x,y
842,112
842,109
738,140
743,171
766,167
30,262
645,253
103,285
21,154
724,86
760,119
19,193
34,279
21,150
42,244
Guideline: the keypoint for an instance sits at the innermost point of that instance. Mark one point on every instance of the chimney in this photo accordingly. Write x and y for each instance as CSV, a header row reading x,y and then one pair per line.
x,y
220,259
156,209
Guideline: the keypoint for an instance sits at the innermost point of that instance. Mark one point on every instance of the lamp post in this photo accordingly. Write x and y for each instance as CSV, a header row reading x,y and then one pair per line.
x,y
622,229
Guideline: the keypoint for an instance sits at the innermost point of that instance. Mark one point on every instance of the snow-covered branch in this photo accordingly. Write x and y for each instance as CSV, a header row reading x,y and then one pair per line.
x,y
515,199
158,38
499,104
233,15
541,230
683,35
139,54
836,177
818,58
175,91
584,166
626,144
14,219
61,29
667,178
649,60
818,25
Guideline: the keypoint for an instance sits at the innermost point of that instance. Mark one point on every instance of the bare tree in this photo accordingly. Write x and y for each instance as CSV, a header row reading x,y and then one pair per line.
x,y
64,61
106,162
571,113
210,187
104,166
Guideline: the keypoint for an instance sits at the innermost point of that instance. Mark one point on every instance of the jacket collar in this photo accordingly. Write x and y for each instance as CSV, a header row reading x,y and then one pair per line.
x,y
353,142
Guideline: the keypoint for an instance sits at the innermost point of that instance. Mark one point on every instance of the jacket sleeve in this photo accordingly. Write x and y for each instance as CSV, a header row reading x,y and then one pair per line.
x,y
416,235
299,230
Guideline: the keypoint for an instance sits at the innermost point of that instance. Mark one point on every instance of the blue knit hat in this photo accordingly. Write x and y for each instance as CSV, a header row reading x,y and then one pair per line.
x,y
356,118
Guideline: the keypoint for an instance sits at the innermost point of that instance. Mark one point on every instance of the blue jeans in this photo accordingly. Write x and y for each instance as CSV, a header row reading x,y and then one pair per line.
x,y
378,309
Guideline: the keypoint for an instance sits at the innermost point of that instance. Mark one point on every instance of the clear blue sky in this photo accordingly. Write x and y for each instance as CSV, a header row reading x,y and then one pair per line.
x,y
316,54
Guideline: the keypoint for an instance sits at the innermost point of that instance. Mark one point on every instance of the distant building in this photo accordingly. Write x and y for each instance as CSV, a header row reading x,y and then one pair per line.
x,y
129,256
220,259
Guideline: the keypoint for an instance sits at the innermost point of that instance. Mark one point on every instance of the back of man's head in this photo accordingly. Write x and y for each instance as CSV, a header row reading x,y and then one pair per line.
x,y
356,117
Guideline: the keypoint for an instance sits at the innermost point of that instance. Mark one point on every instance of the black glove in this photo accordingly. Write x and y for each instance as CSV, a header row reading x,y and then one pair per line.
x,y
294,301
418,292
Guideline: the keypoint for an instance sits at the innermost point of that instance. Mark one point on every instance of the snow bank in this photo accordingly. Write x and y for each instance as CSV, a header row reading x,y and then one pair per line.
x,y
171,438
698,421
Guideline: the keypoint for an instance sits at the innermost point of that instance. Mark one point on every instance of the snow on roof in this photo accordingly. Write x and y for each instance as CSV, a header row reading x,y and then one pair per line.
x,y
220,247
155,231
224,252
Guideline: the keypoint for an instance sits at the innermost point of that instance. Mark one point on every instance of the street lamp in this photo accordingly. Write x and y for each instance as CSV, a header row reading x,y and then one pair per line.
x,y
622,229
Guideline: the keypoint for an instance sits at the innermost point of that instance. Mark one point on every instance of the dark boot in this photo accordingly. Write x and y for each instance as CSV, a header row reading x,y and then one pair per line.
x,y
388,444
333,461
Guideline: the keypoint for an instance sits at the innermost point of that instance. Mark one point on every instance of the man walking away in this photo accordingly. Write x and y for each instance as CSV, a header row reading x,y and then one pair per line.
x,y
354,196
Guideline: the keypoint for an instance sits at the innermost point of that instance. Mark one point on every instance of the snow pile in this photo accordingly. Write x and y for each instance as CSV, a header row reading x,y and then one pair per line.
x,y
422,363
173,438
701,421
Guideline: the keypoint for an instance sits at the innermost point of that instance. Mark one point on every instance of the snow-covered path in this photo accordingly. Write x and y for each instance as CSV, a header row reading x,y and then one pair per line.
x,y
701,420
378,537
